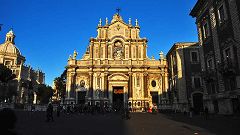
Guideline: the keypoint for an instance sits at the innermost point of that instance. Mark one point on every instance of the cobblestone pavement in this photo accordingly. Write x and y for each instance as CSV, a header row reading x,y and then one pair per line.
x,y
110,124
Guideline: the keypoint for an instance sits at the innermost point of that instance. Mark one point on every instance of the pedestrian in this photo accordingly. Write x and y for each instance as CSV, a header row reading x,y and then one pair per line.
x,y
49,112
206,112
191,112
58,110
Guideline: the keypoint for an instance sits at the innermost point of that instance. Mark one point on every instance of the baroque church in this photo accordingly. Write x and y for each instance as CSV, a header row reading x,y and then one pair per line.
x,y
115,68
27,79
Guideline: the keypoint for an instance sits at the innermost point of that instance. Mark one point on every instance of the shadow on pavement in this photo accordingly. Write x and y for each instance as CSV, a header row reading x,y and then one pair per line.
x,y
217,124
33,123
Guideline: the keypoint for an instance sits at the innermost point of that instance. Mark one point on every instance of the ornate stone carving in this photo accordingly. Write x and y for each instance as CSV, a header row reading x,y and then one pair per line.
x,y
118,50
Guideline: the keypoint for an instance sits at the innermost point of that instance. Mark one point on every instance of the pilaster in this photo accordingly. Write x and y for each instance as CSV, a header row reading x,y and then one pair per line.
x,y
216,46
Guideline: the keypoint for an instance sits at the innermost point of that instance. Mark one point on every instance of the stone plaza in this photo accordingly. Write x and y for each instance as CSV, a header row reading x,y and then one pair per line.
x,y
30,123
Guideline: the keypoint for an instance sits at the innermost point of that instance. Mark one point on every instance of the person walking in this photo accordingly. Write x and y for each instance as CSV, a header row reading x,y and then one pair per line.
x,y
49,112
58,110
206,112
191,112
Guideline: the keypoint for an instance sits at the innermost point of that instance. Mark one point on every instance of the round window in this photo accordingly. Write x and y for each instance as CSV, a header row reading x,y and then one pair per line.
x,y
153,83
82,83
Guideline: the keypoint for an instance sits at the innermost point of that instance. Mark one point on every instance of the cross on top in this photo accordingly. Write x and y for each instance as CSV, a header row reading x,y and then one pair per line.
x,y
118,10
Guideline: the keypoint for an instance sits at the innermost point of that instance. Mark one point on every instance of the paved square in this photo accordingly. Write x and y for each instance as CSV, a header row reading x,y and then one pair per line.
x,y
112,124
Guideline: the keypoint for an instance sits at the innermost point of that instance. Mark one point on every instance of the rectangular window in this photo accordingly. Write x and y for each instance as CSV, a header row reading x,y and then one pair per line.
x,y
194,56
210,64
173,59
7,63
222,17
206,32
211,88
196,82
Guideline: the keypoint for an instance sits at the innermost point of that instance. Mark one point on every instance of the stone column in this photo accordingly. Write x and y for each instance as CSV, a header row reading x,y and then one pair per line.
x,y
106,50
145,85
91,85
130,93
69,83
105,85
91,49
73,84
130,51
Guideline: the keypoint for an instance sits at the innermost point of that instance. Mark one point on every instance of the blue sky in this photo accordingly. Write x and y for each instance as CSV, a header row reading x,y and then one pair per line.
x,y
47,31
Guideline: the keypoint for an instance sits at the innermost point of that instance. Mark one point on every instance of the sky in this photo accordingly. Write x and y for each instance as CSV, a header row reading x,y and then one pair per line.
x,y
48,31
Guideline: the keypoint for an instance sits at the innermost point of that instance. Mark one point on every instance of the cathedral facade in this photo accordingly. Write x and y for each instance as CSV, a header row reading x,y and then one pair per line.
x,y
115,68
27,79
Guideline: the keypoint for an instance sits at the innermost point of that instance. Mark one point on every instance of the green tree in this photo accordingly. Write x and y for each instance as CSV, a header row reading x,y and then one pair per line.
x,y
6,83
44,93
60,84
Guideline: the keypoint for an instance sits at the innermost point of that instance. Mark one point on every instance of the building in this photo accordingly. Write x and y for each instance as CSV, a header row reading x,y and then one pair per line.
x,y
27,79
218,24
116,69
185,82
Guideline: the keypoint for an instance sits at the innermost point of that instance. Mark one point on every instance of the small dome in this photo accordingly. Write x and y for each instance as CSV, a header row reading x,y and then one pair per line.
x,y
9,47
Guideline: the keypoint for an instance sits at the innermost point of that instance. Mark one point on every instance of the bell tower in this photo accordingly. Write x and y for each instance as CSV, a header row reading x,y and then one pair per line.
x,y
10,36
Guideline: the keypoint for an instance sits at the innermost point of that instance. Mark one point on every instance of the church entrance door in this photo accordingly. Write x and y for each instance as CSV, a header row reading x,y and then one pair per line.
x,y
118,98
81,97
154,98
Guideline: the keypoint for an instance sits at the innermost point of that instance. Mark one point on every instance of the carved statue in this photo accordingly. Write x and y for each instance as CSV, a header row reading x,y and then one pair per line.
x,y
75,54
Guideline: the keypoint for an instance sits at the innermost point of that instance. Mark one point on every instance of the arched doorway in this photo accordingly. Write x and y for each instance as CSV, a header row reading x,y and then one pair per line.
x,y
197,99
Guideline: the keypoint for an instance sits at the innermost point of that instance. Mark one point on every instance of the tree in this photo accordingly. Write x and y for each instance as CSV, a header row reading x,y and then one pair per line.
x,y
6,83
6,74
44,93
28,85
60,84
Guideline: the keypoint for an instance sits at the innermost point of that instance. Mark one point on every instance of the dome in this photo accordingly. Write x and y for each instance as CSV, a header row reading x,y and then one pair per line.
x,y
9,47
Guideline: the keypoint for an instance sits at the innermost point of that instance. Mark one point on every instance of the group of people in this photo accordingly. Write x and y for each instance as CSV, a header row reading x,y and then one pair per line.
x,y
85,110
